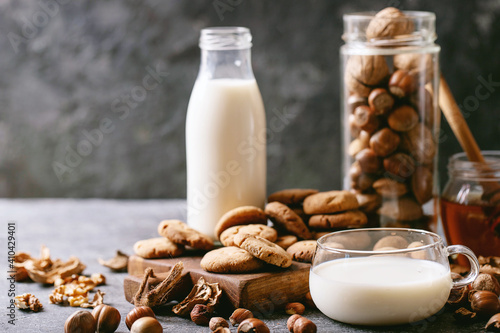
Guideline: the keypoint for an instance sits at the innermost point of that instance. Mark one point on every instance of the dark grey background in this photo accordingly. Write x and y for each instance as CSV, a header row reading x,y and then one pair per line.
x,y
65,72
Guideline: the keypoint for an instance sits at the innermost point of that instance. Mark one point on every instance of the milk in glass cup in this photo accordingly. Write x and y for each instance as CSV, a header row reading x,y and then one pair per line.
x,y
384,276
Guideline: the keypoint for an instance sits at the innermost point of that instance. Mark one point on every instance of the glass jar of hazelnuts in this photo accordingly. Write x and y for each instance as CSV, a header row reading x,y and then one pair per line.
x,y
390,114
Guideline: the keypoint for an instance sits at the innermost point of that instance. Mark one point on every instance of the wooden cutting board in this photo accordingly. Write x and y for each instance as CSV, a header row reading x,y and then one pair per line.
x,y
263,292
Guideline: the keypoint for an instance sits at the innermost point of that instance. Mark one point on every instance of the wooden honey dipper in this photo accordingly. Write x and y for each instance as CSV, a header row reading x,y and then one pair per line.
x,y
451,111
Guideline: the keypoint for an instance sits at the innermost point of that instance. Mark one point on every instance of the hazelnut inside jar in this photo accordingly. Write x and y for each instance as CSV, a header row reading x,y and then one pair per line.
x,y
390,114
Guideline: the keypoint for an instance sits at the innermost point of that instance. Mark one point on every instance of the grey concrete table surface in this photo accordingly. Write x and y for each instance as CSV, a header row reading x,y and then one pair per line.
x,y
94,228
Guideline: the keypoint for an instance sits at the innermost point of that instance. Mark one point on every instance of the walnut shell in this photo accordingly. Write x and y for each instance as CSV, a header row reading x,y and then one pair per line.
x,y
355,86
389,22
368,70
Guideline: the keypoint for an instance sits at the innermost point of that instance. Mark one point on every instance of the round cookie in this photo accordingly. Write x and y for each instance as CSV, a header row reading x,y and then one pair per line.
x,y
351,218
285,218
180,233
159,247
264,250
227,236
239,216
302,251
286,241
230,259
330,202
291,196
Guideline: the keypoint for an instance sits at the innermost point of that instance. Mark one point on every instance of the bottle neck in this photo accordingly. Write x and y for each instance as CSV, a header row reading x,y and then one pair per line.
x,y
226,64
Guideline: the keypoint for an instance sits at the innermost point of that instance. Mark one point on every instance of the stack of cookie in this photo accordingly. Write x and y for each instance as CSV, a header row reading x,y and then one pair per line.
x,y
334,210
248,243
308,214
175,236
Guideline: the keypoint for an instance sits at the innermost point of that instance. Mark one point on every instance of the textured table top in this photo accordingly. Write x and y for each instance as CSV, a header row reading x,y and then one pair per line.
x,y
90,229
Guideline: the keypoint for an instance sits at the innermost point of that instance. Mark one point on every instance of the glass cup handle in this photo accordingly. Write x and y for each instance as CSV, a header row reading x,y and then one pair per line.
x,y
474,264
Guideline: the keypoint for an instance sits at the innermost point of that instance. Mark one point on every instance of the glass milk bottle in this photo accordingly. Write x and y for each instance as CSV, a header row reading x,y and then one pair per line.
x,y
225,131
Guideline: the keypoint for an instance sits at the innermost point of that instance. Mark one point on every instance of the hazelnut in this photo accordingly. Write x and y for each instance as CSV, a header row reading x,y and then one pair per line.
x,y
146,325
295,308
222,330
394,241
419,141
380,101
363,182
217,322
354,101
417,254
384,142
401,83
403,119
369,162
389,22
80,322
399,165
418,64
107,318
300,325
291,320
353,128
253,325
368,70
389,188
486,282
368,202
421,184
240,315
365,119
402,209
136,313
308,301
485,302
356,146
201,315
423,103
493,324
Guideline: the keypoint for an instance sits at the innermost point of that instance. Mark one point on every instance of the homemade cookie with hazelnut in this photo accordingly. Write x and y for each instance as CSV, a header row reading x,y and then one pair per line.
x,y
240,216
264,250
302,251
291,196
286,241
230,259
351,218
284,217
180,233
330,202
227,236
159,247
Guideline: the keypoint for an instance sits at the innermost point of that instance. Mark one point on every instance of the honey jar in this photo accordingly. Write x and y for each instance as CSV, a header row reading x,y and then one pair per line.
x,y
470,203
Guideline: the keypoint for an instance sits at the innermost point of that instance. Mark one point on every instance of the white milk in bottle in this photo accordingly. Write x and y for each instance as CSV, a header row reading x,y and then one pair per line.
x,y
225,131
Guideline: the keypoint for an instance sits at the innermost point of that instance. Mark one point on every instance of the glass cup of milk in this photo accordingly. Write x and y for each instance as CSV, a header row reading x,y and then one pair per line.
x,y
384,276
